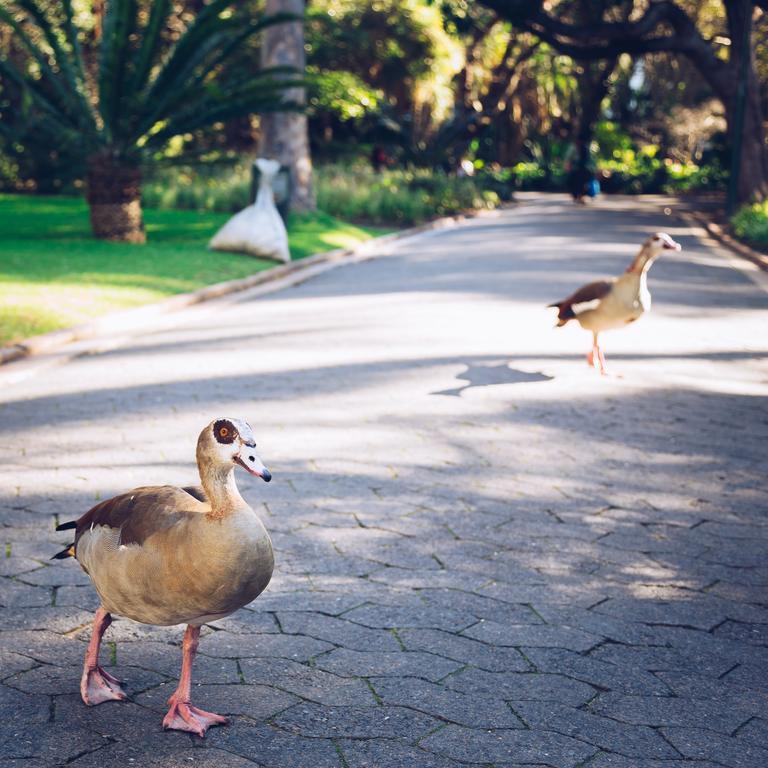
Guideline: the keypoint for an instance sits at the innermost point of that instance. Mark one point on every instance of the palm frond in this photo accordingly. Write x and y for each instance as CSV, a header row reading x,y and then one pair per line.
x,y
260,95
207,22
157,103
35,95
252,27
119,23
192,63
144,98
61,97
74,43
150,44
63,58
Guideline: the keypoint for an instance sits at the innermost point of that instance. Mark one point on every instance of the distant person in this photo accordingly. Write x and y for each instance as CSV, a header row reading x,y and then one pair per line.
x,y
581,171
379,158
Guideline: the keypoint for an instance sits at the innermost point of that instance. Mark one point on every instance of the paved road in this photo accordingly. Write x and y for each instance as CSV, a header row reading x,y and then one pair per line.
x,y
486,554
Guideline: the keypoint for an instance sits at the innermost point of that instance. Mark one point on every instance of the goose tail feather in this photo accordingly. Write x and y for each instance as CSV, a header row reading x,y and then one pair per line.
x,y
65,553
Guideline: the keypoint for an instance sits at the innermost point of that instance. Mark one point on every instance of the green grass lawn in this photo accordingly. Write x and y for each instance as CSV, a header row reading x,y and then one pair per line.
x,y
53,274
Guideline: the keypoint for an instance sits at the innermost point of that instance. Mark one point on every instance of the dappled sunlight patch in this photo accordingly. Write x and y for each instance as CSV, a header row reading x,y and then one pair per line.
x,y
154,286
33,309
646,571
314,232
20,320
681,591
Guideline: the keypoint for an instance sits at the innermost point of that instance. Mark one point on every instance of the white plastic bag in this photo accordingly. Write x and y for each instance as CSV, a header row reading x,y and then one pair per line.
x,y
257,229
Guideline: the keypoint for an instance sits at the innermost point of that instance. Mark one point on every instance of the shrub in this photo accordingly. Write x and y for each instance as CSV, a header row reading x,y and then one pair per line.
x,y
407,196
353,192
206,188
750,223
537,177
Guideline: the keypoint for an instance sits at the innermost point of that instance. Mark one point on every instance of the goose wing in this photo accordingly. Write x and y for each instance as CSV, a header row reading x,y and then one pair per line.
x,y
586,297
133,517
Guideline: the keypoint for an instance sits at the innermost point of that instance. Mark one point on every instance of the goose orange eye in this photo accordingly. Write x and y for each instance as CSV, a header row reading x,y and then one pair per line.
x,y
224,432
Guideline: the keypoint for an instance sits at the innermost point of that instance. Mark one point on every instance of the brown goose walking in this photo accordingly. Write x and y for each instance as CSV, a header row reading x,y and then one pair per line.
x,y
614,302
165,555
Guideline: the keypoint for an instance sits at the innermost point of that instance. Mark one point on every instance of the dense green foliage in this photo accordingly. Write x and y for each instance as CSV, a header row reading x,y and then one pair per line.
x,y
53,274
382,70
223,189
121,86
750,223
400,196
426,84
357,193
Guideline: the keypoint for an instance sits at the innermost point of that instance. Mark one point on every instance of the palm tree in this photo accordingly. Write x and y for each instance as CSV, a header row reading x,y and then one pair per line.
x,y
115,112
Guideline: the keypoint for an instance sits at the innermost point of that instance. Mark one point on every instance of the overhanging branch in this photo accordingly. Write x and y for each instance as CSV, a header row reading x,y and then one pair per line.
x,y
664,27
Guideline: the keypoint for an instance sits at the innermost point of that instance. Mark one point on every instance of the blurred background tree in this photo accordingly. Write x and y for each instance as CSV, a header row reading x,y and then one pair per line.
x,y
716,37
103,90
413,107
384,71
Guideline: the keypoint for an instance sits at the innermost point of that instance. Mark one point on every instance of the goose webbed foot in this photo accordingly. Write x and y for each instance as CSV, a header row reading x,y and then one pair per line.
x,y
596,360
182,716
98,686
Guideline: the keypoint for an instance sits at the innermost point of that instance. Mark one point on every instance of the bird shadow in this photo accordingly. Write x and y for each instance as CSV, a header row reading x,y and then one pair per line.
x,y
489,375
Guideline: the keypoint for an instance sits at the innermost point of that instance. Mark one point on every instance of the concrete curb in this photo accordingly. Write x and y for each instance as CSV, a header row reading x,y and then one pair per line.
x,y
131,320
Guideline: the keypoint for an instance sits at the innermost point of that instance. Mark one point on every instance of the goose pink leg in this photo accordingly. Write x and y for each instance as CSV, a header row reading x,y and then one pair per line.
x,y
96,685
182,716
595,357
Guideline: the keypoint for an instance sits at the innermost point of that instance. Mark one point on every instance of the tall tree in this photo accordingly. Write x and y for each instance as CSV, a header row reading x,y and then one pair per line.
x,y
479,104
399,50
116,112
593,77
284,135
667,26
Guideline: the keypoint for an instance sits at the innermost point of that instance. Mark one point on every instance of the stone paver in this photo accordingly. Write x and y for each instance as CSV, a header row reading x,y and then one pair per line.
x,y
486,555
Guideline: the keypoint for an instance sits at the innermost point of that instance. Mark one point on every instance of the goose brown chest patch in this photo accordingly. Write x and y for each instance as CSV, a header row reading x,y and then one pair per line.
x,y
224,431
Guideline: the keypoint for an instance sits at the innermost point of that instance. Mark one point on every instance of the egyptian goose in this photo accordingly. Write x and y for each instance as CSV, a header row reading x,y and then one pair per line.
x,y
614,302
165,555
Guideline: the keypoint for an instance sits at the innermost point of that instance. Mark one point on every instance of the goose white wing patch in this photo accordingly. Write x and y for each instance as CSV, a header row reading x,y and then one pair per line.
x,y
585,306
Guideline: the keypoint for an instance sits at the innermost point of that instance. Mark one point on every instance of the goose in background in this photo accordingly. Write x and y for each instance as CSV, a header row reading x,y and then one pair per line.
x,y
614,302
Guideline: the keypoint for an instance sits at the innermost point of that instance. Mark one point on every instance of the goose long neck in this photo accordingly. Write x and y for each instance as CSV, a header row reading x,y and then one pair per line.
x,y
220,488
642,262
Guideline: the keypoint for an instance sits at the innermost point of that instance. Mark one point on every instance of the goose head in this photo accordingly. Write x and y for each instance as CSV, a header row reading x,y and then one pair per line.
x,y
225,443
659,242
651,249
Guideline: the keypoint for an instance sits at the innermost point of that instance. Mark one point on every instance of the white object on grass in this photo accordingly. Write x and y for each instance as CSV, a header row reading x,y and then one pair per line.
x,y
257,229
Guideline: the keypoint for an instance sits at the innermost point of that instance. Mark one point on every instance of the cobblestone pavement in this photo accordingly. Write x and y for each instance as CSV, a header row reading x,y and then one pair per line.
x,y
486,554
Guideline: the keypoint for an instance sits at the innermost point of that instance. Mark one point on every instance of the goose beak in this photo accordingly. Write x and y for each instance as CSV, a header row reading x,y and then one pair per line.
x,y
251,463
672,245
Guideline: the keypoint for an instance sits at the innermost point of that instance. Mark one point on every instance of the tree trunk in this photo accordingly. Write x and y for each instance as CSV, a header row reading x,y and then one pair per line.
x,y
593,86
284,135
753,164
114,197
724,78
753,178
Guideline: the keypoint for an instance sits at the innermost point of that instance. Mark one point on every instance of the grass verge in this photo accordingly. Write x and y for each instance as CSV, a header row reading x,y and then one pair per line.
x,y
53,274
